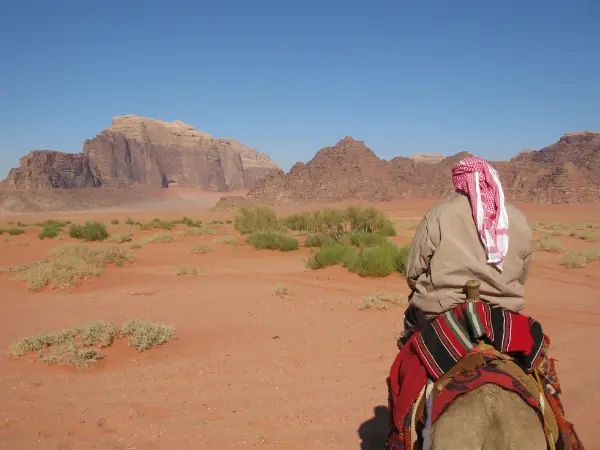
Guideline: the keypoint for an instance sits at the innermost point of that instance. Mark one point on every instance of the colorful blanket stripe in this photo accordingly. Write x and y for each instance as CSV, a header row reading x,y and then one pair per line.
x,y
453,334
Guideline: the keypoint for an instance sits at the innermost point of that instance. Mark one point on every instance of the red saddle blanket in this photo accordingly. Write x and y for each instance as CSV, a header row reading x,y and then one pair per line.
x,y
436,350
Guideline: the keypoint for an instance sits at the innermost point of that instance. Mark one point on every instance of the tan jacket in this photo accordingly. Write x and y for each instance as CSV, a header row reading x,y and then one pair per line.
x,y
446,252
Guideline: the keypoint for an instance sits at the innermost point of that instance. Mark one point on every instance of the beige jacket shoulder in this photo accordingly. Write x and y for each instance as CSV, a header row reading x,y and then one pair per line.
x,y
446,252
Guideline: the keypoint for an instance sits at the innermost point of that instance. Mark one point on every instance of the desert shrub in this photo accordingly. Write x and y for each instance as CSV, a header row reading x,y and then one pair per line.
x,y
272,241
547,244
78,346
14,231
198,231
369,220
49,232
369,261
68,265
89,231
229,239
229,222
144,334
331,255
115,222
327,221
318,240
53,223
201,249
362,239
162,224
380,301
81,346
580,259
130,221
120,238
159,237
257,219
281,290
189,222
186,270
584,235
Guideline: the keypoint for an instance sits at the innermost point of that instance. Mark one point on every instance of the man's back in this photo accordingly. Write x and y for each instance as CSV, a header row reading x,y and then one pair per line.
x,y
447,251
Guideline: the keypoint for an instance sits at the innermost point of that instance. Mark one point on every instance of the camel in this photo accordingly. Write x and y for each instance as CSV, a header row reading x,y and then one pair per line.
x,y
488,418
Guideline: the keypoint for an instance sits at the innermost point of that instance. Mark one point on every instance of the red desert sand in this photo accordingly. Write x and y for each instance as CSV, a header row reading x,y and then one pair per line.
x,y
249,369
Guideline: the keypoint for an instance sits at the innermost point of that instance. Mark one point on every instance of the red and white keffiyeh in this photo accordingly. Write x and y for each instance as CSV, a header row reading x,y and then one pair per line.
x,y
476,178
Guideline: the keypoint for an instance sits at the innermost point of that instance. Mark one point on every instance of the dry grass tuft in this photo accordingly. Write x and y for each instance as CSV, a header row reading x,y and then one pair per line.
x,y
381,301
144,334
229,239
574,260
68,265
547,244
78,346
159,237
202,249
186,270
119,238
584,235
281,290
81,346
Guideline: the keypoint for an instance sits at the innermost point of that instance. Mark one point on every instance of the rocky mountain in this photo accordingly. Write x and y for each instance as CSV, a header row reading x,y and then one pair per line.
x,y
140,151
565,172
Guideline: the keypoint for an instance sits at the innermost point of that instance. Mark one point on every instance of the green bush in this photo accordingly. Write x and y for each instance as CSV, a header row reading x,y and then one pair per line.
x,y
331,255
318,240
369,220
53,223
378,261
272,241
362,239
162,224
49,232
321,222
189,222
257,219
115,222
14,231
370,261
89,231
130,221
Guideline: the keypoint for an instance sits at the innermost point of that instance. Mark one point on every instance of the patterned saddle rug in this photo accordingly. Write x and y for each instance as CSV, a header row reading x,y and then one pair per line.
x,y
463,349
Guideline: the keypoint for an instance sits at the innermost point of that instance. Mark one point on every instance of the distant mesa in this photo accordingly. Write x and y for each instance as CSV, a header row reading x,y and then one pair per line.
x,y
140,151
427,158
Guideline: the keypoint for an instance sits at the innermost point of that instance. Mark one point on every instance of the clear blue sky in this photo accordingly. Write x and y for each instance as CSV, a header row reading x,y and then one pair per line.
x,y
289,77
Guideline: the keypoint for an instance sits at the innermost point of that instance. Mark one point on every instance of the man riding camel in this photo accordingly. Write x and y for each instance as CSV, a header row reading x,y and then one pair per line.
x,y
465,238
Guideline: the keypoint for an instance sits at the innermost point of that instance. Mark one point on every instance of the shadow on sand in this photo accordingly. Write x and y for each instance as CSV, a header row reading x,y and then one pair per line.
x,y
373,433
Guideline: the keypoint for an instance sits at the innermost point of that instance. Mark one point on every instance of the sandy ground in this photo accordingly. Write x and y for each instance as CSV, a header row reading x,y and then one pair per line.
x,y
250,369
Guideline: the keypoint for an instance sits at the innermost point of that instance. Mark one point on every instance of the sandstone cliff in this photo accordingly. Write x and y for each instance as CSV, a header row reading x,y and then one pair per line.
x,y
135,150
565,172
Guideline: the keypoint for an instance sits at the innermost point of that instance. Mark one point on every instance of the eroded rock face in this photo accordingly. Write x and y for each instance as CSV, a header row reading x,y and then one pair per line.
x,y
50,169
135,150
565,172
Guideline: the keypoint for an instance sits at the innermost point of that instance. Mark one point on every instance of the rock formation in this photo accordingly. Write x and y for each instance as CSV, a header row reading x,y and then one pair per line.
x,y
565,172
427,158
135,150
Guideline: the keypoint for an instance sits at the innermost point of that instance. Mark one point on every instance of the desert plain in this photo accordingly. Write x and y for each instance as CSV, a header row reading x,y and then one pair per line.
x,y
268,353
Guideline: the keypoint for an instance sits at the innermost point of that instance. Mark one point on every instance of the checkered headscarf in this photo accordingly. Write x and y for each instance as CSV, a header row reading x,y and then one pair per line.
x,y
478,180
